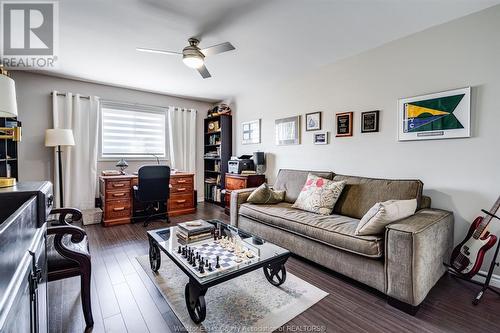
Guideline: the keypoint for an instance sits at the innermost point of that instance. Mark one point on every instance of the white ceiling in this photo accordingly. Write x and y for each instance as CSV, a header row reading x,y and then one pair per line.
x,y
274,39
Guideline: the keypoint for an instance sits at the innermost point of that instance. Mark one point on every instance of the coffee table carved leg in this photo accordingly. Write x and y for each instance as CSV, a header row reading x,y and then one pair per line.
x,y
195,302
275,273
154,256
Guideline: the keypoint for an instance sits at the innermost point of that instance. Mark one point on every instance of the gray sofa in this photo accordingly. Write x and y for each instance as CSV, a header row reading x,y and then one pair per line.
x,y
404,263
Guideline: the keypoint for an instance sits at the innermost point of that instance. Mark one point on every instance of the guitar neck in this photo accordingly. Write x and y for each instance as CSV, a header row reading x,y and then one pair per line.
x,y
481,229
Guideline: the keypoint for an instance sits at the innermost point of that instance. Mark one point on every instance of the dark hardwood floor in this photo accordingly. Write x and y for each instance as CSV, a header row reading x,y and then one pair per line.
x,y
125,300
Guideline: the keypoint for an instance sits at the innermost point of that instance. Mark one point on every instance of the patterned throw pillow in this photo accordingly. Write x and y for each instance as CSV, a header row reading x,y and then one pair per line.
x,y
265,195
319,195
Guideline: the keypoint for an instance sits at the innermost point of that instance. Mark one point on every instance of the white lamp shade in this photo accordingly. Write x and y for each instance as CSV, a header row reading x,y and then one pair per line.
x,y
8,105
59,137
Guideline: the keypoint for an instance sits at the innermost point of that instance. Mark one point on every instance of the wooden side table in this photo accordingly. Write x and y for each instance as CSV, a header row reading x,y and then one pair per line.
x,y
238,182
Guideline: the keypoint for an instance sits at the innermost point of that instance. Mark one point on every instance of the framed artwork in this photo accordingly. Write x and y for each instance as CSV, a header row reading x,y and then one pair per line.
x,y
344,124
313,121
250,132
288,131
320,138
369,121
442,115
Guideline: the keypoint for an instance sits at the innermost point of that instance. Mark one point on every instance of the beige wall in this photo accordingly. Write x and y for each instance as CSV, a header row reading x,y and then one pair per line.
x,y
35,112
461,175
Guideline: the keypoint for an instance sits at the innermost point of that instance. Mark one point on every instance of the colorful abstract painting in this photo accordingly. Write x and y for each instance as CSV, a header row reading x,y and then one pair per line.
x,y
435,116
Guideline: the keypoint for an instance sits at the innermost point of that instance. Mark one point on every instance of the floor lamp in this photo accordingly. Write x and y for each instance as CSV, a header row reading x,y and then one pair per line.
x,y
58,137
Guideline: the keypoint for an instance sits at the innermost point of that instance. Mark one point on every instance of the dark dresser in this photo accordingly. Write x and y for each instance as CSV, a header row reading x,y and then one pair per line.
x,y
23,264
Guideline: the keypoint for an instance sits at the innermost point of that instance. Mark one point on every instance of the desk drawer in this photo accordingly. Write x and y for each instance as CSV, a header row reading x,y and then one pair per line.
x,y
117,195
118,185
181,181
181,188
117,209
235,183
180,201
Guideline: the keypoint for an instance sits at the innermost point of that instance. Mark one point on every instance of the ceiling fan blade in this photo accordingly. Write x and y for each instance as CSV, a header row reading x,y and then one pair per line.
x,y
204,72
157,51
219,48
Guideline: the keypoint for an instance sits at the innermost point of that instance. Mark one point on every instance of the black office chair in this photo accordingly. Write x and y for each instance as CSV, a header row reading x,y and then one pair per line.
x,y
153,191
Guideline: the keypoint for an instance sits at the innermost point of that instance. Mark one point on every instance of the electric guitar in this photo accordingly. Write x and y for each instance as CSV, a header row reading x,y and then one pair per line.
x,y
467,257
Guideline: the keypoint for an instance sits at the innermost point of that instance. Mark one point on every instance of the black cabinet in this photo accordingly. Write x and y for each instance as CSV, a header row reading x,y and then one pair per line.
x,y
23,262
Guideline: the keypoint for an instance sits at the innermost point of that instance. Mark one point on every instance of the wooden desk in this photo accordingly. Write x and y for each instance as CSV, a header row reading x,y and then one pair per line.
x,y
117,197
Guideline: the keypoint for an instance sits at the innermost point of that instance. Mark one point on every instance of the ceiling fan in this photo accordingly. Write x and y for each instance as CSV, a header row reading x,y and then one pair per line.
x,y
193,56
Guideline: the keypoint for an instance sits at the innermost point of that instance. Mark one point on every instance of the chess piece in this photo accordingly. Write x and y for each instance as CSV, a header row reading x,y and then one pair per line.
x,y
215,235
202,269
179,250
210,267
217,262
193,261
198,255
249,254
206,263
184,252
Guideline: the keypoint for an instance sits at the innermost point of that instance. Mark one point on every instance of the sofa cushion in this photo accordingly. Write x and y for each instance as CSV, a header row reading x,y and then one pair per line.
x,y
334,230
360,193
265,195
292,181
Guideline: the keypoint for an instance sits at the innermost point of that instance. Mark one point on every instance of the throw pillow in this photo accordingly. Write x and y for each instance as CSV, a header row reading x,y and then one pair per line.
x,y
319,195
265,195
383,213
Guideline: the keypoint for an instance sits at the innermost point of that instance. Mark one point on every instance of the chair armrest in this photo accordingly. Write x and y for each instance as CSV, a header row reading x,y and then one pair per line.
x,y
77,233
415,249
78,251
75,215
238,197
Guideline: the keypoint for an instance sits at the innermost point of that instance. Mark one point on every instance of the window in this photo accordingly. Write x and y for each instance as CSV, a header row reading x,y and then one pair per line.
x,y
130,130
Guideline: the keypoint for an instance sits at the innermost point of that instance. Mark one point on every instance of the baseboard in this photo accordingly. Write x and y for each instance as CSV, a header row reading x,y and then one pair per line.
x,y
494,282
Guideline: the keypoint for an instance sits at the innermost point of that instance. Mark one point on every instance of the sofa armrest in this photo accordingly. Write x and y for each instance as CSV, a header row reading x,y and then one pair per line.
x,y
415,249
238,197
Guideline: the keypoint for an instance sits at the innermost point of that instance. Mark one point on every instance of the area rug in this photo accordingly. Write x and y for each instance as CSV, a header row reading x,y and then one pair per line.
x,y
248,303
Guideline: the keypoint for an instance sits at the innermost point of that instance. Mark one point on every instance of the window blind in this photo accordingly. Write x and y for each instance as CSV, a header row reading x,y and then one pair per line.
x,y
132,131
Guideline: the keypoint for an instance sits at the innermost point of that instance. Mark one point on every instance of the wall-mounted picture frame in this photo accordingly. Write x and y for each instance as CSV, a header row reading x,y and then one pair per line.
x,y
370,121
313,121
250,132
442,115
343,124
287,131
321,138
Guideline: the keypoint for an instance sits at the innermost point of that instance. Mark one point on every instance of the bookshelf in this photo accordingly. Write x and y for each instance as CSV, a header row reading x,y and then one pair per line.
x,y
8,151
217,151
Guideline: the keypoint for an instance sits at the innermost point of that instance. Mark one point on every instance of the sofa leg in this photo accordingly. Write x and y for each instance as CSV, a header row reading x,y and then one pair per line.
x,y
402,306
86,300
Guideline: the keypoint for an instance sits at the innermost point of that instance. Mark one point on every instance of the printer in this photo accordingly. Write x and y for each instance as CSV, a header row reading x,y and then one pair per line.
x,y
239,164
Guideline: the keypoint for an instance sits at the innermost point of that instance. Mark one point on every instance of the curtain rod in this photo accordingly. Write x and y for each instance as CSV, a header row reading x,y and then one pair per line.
x,y
64,94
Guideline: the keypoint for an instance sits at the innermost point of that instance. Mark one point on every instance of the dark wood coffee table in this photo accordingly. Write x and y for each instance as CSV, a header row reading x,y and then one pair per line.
x,y
270,257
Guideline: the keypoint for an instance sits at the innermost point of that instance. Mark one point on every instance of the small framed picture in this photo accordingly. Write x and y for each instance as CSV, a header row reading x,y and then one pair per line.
x,y
344,124
320,138
369,121
313,121
250,132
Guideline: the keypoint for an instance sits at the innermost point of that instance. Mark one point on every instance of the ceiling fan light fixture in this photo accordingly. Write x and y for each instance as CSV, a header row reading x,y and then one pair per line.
x,y
193,61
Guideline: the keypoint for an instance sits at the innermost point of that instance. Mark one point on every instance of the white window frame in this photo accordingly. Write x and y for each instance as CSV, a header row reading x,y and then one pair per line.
x,y
137,108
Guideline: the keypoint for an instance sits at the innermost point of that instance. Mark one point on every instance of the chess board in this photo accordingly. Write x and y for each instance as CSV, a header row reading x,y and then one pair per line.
x,y
210,250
